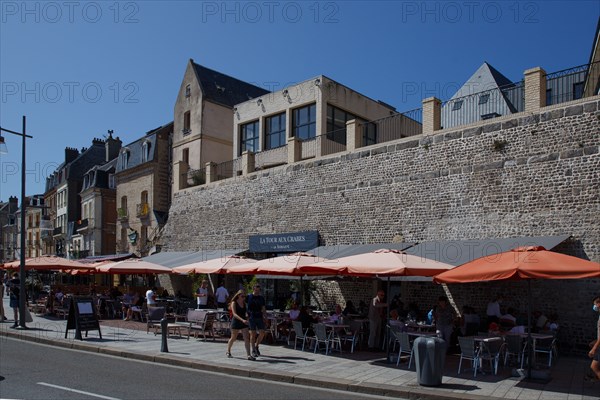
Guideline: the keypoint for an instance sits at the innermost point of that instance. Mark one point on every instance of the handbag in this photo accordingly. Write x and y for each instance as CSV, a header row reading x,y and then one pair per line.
x,y
28,317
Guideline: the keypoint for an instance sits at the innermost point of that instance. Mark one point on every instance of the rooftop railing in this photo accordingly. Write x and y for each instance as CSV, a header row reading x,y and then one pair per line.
x,y
568,84
397,126
483,105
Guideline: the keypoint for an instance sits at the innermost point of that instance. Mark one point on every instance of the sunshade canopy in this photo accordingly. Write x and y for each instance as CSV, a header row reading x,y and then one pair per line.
x,y
214,266
284,265
133,266
531,262
49,263
383,262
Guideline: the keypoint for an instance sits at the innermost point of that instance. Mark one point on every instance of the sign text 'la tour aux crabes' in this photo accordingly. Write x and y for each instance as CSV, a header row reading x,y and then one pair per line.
x,y
284,242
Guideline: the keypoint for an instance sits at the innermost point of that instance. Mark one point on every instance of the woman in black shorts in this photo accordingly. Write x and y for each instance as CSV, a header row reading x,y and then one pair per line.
x,y
239,322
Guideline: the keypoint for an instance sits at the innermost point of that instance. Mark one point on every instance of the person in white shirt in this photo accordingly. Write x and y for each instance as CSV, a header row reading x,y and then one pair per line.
x,y
202,295
493,310
151,297
222,295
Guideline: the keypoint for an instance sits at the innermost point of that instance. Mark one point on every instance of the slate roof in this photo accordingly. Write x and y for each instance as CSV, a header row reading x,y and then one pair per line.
x,y
224,89
135,149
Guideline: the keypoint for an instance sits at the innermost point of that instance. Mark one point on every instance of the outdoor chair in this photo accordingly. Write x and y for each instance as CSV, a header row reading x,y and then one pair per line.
x,y
405,345
353,334
155,314
321,337
514,347
468,352
205,326
491,351
300,334
546,346
142,313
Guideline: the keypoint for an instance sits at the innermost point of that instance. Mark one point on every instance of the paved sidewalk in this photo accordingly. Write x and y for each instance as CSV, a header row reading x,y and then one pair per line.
x,y
362,371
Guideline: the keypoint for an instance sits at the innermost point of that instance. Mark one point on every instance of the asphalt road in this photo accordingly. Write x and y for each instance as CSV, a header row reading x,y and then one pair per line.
x,y
34,371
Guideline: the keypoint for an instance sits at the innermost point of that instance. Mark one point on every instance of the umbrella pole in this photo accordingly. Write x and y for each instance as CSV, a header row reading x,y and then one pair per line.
x,y
387,323
301,293
529,340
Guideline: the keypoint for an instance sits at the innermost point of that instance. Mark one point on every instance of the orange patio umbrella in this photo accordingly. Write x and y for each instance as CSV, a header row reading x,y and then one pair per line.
x,y
286,265
49,263
379,263
133,266
529,262
215,266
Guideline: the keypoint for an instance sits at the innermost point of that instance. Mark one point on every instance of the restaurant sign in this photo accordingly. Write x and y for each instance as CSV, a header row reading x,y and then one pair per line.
x,y
284,242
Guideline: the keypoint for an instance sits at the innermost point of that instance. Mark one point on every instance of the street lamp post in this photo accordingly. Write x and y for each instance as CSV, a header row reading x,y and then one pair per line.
x,y
22,290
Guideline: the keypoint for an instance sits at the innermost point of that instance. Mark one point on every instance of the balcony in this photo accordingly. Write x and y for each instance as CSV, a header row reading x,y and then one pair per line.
x,y
82,226
122,214
57,232
142,210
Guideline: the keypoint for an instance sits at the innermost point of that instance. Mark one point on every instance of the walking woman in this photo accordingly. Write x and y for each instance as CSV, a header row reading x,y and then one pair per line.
x,y
239,322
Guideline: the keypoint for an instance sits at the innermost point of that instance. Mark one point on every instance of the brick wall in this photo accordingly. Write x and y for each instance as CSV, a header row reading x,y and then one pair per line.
x,y
530,174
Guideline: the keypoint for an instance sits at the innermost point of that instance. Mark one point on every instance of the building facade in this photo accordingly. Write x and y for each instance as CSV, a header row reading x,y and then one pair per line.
x,y
8,238
203,120
143,191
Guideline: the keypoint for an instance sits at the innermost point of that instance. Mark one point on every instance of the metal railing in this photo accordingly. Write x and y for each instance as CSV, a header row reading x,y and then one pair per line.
x,y
195,177
224,170
397,126
333,142
568,84
483,105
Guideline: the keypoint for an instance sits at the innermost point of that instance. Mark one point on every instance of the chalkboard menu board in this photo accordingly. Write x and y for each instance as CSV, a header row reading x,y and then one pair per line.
x,y
82,317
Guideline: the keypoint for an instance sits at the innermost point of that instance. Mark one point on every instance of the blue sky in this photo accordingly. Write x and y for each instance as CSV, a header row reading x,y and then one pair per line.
x,y
77,69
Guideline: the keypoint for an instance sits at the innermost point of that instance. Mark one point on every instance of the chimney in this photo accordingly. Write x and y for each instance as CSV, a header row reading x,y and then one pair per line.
x,y
13,204
70,154
113,146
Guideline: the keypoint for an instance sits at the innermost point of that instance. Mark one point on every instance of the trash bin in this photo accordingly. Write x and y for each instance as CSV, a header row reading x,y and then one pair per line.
x,y
430,356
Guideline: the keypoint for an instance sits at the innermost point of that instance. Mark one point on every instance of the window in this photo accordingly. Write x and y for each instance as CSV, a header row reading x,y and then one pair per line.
x,y
112,182
457,105
369,134
30,222
336,124
249,137
146,150
186,123
483,99
304,122
275,131
37,220
188,91
125,158
144,197
185,156
578,90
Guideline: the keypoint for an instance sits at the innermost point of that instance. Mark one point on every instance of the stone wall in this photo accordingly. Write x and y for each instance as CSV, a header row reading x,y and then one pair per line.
x,y
520,175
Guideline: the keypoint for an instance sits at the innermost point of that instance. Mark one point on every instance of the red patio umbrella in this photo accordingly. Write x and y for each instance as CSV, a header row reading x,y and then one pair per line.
x,y
530,262
49,263
214,266
383,262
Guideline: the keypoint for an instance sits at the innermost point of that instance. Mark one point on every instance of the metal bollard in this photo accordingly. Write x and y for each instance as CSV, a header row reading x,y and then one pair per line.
x,y
164,331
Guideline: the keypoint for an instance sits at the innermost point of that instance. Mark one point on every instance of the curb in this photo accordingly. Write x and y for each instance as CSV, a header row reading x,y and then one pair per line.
x,y
411,393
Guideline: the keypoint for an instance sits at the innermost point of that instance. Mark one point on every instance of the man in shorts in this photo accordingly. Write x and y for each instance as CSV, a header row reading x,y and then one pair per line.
x,y
257,317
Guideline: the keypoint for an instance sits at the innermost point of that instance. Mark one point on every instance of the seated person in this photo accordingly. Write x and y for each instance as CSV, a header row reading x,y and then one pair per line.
x,y
430,315
470,322
58,297
350,309
509,320
540,321
553,323
494,329
294,311
165,294
127,303
136,306
115,292
336,316
307,320
517,330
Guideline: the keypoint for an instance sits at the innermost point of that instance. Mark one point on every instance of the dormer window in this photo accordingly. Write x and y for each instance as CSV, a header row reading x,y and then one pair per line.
x,y
112,182
146,150
125,158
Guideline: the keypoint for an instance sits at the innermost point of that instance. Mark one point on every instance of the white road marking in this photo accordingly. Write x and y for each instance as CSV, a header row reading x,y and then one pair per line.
x,y
77,391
